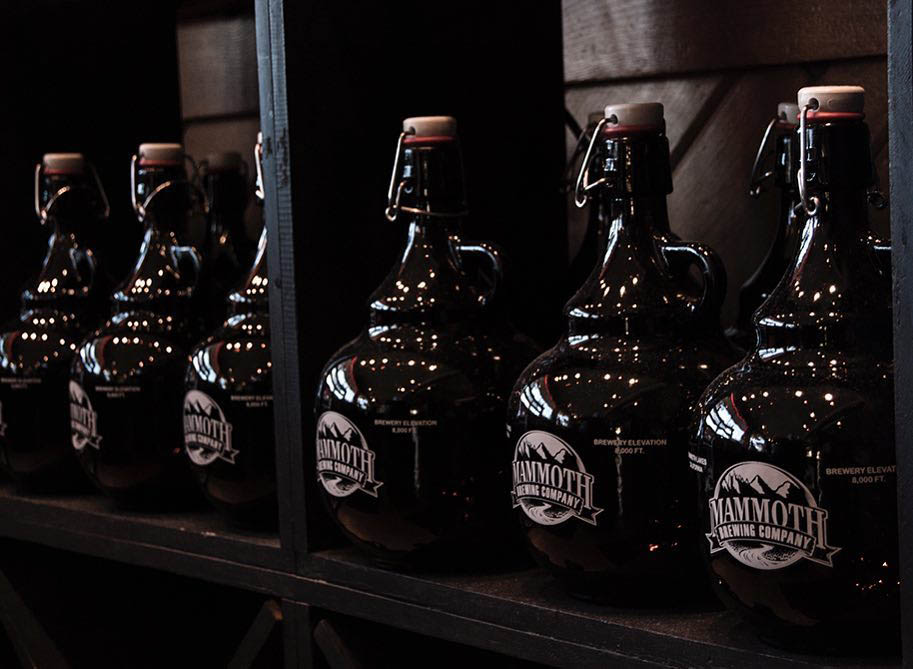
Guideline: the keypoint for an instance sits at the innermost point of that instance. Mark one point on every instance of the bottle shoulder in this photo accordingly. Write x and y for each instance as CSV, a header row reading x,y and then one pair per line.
x,y
783,399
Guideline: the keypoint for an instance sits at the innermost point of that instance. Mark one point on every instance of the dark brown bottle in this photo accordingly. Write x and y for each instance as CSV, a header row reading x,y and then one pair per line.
x,y
599,422
409,446
229,433
126,390
59,307
781,134
226,254
794,446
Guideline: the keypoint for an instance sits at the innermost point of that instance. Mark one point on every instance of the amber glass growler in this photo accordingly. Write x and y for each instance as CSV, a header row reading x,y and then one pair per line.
x,y
126,390
598,423
228,407
59,307
794,446
783,141
410,413
226,253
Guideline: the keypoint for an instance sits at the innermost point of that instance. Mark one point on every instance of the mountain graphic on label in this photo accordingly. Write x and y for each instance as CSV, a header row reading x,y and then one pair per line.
x,y
83,419
766,518
550,483
345,464
207,433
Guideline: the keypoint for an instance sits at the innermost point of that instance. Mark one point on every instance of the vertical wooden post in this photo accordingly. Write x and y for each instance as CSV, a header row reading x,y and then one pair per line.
x,y
282,284
900,120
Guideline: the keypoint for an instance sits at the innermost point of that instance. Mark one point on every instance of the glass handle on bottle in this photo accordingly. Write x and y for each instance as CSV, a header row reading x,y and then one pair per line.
x,y
494,256
84,263
179,253
713,272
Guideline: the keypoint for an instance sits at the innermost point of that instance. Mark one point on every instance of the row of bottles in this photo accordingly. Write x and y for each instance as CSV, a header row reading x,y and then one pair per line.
x,y
639,442
642,443
94,374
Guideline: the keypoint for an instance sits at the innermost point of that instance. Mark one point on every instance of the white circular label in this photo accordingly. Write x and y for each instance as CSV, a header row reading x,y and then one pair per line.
x,y
766,518
83,419
345,464
207,434
550,483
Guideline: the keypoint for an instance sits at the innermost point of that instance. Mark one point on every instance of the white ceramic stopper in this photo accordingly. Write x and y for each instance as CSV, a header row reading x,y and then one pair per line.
x,y
161,153
636,113
431,126
64,162
788,111
847,99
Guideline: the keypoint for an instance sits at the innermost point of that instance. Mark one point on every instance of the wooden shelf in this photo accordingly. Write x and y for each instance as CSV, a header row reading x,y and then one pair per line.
x,y
521,613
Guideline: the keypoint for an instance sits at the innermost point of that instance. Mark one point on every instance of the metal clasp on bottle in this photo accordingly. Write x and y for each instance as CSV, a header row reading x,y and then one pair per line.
x,y
756,181
396,188
258,162
803,159
139,208
583,185
42,210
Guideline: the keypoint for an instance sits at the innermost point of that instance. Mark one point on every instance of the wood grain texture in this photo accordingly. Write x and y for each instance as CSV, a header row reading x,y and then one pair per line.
x,y
218,67
612,39
900,77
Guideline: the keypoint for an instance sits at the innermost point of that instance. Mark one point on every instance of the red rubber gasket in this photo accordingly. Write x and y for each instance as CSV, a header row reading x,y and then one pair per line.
x,y
430,139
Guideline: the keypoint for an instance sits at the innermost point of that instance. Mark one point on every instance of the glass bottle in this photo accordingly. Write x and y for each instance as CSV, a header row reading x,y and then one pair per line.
x,y
409,414
794,446
228,407
599,422
59,307
226,254
126,388
781,132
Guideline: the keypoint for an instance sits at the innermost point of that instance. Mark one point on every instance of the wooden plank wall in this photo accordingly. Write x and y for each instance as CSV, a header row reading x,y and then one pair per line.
x,y
720,69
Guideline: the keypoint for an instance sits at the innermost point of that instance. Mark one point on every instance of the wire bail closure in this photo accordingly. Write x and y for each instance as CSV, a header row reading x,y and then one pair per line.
x,y
756,182
139,208
395,190
259,192
582,186
42,210
803,192
393,207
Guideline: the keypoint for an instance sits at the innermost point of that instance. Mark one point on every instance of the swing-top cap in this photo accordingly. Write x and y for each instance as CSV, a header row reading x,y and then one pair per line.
x,y
642,115
431,126
833,99
224,161
160,154
63,163
788,112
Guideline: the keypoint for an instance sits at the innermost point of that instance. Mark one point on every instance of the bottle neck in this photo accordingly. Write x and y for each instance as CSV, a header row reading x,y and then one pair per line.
x,y
150,177
834,293
433,177
632,290
428,281
227,191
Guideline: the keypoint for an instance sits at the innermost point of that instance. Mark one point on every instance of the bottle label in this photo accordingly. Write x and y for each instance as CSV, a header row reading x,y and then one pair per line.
x,y
766,518
550,483
345,464
207,433
83,419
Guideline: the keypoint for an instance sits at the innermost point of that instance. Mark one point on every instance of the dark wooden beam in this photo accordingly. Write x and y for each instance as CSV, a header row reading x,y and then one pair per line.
x,y
900,120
